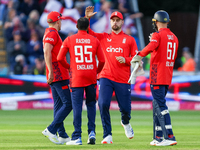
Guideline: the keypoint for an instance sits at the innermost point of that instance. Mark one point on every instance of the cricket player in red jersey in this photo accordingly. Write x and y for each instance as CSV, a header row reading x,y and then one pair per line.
x,y
58,79
163,47
118,48
83,49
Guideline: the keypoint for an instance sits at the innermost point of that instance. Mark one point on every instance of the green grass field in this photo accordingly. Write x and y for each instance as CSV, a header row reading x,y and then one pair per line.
x,y
22,129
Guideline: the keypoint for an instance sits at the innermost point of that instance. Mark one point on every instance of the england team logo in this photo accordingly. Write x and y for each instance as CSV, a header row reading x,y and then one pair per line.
x,y
124,40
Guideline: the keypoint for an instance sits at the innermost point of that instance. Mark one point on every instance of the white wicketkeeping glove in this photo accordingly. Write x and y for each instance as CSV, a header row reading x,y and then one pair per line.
x,y
137,71
136,58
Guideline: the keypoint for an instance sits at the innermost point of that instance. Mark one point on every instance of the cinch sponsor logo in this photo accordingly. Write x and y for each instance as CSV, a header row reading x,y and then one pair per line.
x,y
50,39
112,49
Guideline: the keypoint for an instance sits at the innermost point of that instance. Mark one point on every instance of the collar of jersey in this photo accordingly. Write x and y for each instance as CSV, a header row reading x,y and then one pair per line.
x,y
51,28
163,29
82,31
118,33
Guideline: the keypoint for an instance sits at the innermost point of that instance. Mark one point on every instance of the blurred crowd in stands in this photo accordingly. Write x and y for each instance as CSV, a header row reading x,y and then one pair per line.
x,y
23,31
187,62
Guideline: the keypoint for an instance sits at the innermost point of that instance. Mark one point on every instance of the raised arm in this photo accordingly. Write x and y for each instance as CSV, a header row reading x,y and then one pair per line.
x,y
100,57
89,12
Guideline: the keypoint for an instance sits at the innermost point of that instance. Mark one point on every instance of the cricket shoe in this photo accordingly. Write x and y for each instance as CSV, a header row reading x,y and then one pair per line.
x,y
91,138
167,142
128,130
156,141
75,142
64,140
107,140
52,137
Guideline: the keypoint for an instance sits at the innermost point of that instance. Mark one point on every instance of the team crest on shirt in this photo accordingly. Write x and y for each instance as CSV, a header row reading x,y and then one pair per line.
x,y
124,40
109,40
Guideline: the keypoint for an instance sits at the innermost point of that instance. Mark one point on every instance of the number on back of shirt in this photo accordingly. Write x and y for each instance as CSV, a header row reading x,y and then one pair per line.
x,y
82,54
171,50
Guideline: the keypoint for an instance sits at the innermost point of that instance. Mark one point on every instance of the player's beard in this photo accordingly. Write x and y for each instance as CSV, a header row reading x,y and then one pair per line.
x,y
116,28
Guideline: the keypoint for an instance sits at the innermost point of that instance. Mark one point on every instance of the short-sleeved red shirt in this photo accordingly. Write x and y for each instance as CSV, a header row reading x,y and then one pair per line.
x,y
60,72
114,45
83,49
164,47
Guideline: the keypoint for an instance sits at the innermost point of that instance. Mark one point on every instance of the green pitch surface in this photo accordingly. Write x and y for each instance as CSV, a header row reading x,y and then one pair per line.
x,y
22,129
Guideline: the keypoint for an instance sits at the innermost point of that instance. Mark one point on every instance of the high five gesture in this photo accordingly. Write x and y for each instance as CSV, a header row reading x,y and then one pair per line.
x,y
89,12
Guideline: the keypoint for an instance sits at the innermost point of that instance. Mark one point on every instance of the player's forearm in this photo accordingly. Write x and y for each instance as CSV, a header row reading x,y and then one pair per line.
x,y
62,58
148,49
100,66
65,64
63,51
99,36
47,56
128,60
48,60
90,31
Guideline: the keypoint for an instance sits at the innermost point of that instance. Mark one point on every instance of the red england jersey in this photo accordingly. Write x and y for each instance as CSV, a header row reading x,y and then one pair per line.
x,y
164,46
115,45
83,49
59,71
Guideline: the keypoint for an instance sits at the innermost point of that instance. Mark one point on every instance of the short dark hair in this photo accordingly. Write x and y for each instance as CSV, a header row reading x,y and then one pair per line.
x,y
82,23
